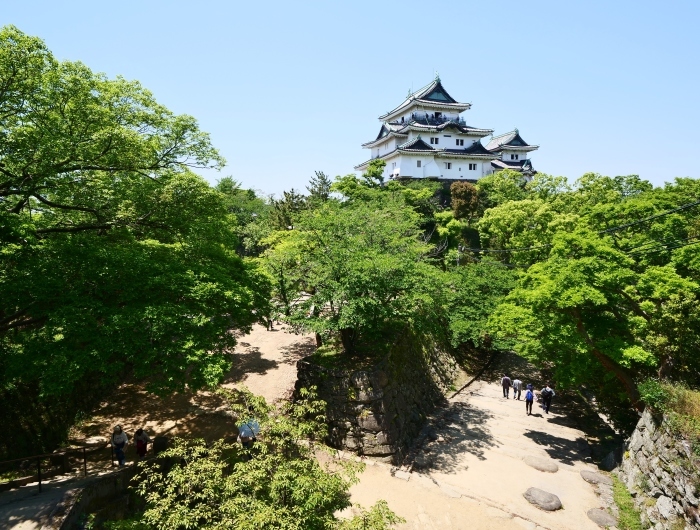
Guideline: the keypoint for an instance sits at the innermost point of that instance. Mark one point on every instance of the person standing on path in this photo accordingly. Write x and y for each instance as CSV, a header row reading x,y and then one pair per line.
x,y
517,388
529,398
141,439
119,442
505,383
547,394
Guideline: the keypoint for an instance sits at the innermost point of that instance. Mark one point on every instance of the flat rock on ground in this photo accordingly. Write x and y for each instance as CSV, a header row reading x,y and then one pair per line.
x,y
543,499
595,478
542,464
601,517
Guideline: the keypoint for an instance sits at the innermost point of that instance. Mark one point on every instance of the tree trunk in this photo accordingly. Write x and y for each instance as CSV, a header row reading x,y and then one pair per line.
x,y
347,337
319,340
624,375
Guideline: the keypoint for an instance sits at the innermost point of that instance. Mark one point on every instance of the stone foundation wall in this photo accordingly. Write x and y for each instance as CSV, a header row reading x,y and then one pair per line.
x,y
380,410
660,472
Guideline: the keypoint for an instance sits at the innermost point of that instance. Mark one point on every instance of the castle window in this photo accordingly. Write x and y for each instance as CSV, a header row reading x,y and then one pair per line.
x,y
434,140
513,157
472,167
417,163
460,142
448,165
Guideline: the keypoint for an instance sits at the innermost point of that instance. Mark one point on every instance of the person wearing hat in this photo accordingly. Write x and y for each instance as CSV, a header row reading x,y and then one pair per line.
x,y
119,441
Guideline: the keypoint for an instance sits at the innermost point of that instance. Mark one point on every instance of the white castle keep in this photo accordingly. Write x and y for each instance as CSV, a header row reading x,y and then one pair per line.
x,y
426,137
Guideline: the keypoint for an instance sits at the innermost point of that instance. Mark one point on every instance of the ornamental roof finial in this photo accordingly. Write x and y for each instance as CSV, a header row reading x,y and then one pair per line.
x,y
437,76
516,131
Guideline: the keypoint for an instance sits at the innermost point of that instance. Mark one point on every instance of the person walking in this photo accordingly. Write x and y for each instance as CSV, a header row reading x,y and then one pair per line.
x,y
547,394
119,443
529,398
247,435
517,388
141,439
505,383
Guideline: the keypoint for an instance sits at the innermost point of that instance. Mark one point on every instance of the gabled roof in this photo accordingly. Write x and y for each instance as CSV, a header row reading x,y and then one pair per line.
x,y
433,94
509,139
417,144
524,166
475,149
387,130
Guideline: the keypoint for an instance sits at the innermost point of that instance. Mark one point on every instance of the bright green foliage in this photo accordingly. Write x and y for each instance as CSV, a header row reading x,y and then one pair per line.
x,y
587,304
284,485
374,176
524,224
252,216
357,268
501,187
286,211
115,259
474,292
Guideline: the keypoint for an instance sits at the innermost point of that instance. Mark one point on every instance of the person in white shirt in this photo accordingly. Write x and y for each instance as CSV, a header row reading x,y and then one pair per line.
x,y
119,442
517,388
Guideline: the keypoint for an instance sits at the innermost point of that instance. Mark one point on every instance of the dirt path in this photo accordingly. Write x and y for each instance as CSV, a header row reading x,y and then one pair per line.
x,y
265,362
474,474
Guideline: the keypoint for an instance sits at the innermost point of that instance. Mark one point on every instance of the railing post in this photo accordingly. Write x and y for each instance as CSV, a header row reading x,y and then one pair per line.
x,y
112,447
38,467
84,462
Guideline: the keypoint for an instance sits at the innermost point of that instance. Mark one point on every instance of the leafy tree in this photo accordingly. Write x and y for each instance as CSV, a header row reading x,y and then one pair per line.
x,y
465,200
319,187
115,259
285,211
500,187
475,291
587,303
362,266
252,215
283,486
374,176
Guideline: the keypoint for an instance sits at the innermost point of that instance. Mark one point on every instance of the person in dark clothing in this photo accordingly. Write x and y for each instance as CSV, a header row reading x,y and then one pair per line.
x,y
529,398
505,383
547,394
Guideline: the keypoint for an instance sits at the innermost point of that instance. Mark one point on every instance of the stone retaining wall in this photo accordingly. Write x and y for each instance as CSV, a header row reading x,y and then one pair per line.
x,y
380,410
660,472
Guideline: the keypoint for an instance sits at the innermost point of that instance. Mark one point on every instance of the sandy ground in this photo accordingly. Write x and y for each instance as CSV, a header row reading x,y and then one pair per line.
x,y
475,476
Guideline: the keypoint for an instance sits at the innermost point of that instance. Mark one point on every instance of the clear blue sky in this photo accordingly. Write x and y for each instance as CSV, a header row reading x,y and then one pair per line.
x,y
286,88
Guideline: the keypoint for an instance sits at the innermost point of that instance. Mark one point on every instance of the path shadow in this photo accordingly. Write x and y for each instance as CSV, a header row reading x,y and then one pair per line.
x,y
562,449
249,362
463,429
294,352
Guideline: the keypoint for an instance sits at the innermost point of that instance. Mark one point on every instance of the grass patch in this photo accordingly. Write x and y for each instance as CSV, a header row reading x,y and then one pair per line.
x,y
629,515
681,406
7,476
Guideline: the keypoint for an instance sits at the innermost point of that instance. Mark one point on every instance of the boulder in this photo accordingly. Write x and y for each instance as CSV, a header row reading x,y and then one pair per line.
x,y
543,499
664,505
541,464
601,517
595,478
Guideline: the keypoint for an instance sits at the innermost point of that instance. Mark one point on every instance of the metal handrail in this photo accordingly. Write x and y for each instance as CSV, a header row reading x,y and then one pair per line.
x,y
60,453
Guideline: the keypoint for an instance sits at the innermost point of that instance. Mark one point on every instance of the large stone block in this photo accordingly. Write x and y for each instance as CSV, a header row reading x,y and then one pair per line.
x,y
664,505
371,422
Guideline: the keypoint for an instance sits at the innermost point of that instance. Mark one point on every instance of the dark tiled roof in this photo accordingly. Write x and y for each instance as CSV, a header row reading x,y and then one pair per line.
x,y
434,93
475,149
510,139
524,166
417,144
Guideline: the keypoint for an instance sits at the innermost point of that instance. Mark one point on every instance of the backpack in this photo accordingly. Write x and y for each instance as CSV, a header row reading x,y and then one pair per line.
x,y
529,396
546,393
